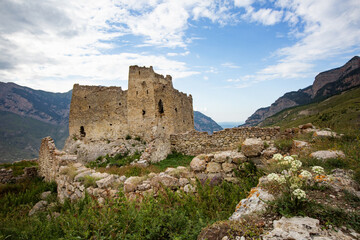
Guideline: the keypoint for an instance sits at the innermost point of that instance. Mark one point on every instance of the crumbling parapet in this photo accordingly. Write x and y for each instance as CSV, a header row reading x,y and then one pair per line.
x,y
50,159
194,142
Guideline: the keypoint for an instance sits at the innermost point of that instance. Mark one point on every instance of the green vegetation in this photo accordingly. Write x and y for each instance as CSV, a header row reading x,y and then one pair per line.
x,y
340,113
120,159
170,215
284,145
89,181
120,165
174,160
18,167
128,137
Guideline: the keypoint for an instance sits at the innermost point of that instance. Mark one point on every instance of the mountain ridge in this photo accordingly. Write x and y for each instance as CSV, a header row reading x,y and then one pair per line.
x,y
326,84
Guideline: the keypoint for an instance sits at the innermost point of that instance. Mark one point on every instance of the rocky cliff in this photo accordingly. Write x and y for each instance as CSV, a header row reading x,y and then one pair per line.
x,y
326,84
203,123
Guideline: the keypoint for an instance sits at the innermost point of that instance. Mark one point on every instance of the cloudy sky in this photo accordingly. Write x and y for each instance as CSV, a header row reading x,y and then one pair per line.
x,y
233,56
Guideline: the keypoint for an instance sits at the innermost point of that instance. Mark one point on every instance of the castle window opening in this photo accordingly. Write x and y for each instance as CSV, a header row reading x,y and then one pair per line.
x,y
143,112
137,93
119,104
89,107
139,72
110,124
147,91
82,131
161,107
175,109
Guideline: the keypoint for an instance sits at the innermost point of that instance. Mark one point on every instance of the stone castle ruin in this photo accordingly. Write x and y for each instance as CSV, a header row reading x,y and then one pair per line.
x,y
150,108
102,118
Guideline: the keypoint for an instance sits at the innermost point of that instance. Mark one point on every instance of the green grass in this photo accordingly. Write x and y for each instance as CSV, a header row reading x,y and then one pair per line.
x,y
340,113
174,160
120,159
18,167
170,215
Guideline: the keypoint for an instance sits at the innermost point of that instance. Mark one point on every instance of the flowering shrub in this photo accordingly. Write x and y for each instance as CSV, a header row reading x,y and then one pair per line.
x,y
293,179
299,194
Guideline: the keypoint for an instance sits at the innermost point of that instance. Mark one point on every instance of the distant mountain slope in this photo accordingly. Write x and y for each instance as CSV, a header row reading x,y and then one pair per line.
x,y
27,116
203,123
44,106
340,112
20,136
326,84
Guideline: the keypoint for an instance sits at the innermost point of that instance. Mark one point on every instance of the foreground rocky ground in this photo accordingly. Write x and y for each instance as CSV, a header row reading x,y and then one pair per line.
x,y
329,208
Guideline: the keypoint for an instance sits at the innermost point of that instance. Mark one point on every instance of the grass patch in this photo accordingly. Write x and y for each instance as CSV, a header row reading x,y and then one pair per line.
x,y
18,167
174,160
120,159
171,215
284,145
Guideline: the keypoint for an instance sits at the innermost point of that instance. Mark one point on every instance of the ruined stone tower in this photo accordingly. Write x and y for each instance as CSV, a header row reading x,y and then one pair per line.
x,y
150,108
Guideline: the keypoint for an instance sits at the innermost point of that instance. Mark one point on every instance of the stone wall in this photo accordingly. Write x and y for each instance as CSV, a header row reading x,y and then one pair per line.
x,y
50,159
194,143
7,176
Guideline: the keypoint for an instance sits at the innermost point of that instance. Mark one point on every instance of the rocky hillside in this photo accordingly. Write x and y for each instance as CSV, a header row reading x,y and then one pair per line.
x,y
326,84
28,115
204,123
340,112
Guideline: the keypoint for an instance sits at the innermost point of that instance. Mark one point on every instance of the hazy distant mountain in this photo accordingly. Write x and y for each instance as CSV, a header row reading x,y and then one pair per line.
x,y
28,115
326,84
204,123
230,124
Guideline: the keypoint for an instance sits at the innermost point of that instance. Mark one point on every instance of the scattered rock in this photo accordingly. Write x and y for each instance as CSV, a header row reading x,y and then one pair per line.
x,y
324,133
300,144
269,152
39,206
45,195
105,182
327,154
294,228
252,147
306,126
131,183
253,203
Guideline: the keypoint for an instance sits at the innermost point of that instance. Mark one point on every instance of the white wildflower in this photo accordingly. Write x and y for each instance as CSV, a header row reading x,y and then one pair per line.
x,y
281,179
295,165
288,159
277,157
273,177
293,186
318,170
299,194
305,174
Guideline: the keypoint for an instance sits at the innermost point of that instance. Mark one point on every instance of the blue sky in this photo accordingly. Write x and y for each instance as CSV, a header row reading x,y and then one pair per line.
x,y
233,56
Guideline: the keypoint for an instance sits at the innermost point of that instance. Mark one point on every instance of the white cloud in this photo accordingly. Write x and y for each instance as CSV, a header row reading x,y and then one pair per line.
x,y
265,16
173,54
230,65
243,3
323,29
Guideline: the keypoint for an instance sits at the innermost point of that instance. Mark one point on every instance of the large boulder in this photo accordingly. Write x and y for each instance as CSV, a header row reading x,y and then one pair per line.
x,y
106,182
39,206
131,183
165,180
255,202
213,167
294,228
252,147
324,133
197,164
327,154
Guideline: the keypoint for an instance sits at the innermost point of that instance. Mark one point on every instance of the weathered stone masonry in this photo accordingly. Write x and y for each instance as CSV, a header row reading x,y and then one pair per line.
x,y
194,143
150,107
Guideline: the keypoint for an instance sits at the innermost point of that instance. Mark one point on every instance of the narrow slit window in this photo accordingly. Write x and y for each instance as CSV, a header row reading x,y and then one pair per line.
x,y
161,107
